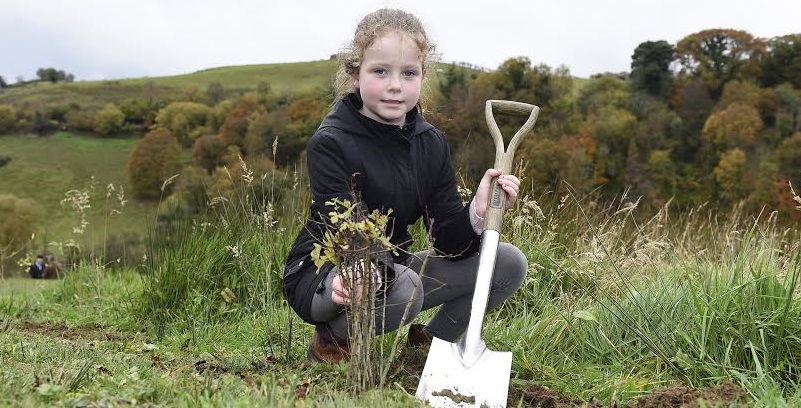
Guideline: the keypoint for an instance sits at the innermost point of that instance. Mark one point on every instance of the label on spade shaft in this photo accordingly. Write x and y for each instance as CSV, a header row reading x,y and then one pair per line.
x,y
496,199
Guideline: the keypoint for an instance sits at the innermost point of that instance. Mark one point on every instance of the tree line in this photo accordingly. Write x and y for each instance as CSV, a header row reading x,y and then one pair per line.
x,y
48,74
714,118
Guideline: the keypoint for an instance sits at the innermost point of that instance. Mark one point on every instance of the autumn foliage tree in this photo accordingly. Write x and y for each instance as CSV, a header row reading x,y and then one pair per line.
x,y
236,124
184,120
155,158
208,152
721,55
730,175
737,126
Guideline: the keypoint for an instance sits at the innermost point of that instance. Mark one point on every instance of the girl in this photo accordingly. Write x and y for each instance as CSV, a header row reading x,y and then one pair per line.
x,y
376,143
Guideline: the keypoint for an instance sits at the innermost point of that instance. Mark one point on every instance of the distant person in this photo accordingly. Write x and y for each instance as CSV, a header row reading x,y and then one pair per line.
x,y
52,268
375,141
37,267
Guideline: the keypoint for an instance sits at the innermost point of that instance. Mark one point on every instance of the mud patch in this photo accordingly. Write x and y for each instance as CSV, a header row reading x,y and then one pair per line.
x,y
536,395
61,330
407,367
727,394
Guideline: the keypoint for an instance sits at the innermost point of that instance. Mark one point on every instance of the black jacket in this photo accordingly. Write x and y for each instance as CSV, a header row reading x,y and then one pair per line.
x,y
35,271
407,169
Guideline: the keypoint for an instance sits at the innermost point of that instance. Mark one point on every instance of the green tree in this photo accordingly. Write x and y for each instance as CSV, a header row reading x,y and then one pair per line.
x,y
518,80
789,114
109,120
693,105
650,68
720,55
601,93
788,157
454,76
782,64
547,162
53,75
8,118
215,93
614,130
662,174
138,112
3,83
154,159
185,120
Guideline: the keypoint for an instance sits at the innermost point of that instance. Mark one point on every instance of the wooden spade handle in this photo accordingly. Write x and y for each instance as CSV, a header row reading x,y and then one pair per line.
x,y
504,155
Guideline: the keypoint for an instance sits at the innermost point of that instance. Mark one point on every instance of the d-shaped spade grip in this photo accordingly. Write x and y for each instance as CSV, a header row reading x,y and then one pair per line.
x,y
493,219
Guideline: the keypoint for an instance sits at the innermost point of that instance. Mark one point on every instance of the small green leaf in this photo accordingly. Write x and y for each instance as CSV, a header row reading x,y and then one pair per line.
x,y
585,315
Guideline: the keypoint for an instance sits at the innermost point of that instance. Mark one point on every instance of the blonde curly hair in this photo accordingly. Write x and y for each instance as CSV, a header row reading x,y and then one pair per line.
x,y
372,27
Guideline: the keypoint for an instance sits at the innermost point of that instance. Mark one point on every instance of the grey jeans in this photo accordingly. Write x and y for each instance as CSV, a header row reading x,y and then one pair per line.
x,y
426,282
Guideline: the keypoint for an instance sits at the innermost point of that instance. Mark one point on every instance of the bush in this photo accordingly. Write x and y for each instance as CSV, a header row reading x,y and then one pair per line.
x,y
154,159
18,222
208,152
79,120
8,118
109,120
183,119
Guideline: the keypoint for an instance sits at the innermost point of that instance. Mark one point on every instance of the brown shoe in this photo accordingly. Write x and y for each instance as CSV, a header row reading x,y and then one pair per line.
x,y
323,350
418,336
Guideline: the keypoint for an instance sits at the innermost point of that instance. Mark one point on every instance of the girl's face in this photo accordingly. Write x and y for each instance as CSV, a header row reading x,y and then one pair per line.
x,y
390,77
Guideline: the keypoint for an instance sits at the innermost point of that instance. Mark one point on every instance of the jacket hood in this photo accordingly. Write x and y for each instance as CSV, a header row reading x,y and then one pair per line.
x,y
346,116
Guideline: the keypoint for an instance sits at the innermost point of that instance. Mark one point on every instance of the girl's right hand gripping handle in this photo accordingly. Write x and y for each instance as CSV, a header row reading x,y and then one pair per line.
x,y
493,219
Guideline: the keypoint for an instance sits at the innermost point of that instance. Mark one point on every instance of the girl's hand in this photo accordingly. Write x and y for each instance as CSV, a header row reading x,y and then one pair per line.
x,y
509,183
342,284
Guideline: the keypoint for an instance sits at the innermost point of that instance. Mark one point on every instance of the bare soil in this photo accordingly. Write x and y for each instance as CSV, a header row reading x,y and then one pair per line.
x,y
61,330
409,365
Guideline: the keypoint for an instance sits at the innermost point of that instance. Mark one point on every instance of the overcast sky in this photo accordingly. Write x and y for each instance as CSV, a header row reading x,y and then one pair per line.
x,y
100,39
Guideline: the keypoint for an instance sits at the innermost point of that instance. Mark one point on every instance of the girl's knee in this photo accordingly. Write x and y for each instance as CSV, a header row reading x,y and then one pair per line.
x,y
511,265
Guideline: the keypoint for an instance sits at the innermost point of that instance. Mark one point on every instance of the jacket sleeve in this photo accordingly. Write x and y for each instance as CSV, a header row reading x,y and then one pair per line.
x,y
332,177
449,218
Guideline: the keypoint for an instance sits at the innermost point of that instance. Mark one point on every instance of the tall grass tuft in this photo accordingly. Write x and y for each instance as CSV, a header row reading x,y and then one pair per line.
x,y
227,262
695,296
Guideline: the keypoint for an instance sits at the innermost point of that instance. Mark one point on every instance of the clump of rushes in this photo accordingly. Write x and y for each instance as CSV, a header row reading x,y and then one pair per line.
x,y
352,245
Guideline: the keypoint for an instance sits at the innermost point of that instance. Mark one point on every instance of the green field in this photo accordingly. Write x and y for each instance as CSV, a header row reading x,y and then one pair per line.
x,y
43,169
284,78
24,287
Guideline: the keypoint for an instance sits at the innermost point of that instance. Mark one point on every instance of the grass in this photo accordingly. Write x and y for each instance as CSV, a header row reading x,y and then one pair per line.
x,y
23,286
284,78
615,306
45,168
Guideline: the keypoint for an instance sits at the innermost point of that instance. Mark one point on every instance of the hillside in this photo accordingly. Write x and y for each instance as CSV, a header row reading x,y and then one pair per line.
x,y
45,168
283,78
